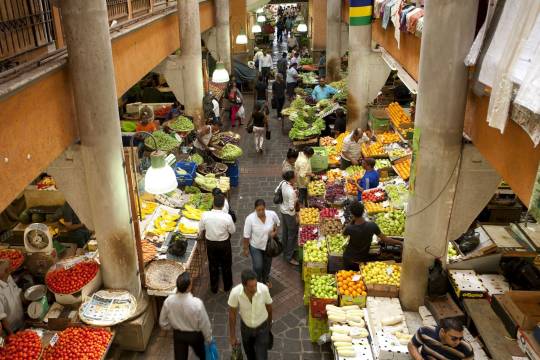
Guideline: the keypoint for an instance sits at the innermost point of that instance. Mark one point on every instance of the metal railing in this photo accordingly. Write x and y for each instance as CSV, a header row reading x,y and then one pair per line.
x,y
28,29
25,25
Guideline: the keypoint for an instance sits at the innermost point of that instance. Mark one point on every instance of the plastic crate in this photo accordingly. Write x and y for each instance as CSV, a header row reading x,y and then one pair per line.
x,y
379,120
190,168
319,161
233,170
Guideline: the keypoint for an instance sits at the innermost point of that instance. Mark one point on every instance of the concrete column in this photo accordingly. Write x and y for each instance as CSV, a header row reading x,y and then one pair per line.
x,y
92,79
223,33
358,77
191,58
448,34
333,40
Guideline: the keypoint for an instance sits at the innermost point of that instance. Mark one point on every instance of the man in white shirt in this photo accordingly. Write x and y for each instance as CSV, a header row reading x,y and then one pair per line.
x,y
253,302
352,147
265,65
292,79
216,227
11,309
187,317
289,217
257,58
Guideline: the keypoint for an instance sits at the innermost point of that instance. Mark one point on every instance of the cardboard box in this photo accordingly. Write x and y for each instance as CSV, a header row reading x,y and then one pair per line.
x,y
444,308
523,307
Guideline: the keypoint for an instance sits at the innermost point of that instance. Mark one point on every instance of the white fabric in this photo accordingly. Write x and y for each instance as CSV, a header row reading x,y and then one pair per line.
x,y
528,95
394,16
218,225
258,232
11,307
289,199
215,103
253,313
183,311
501,96
266,61
292,74
472,56
259,134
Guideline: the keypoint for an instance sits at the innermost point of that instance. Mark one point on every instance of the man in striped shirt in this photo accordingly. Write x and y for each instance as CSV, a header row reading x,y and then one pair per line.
x,y
444,342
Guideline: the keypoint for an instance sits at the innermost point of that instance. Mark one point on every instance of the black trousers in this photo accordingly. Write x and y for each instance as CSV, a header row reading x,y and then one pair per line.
x,y
219,257
279,106
255,341
184,339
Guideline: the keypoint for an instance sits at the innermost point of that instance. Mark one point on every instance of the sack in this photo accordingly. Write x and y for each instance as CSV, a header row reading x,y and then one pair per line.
x,y
236,353
274,103
211,350
274,247
268,134
233,215
437,280
278,194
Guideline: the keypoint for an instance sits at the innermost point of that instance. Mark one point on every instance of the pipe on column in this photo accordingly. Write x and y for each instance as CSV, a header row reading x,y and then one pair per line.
x,y
191,58
86,28
333,40
223,33
448,34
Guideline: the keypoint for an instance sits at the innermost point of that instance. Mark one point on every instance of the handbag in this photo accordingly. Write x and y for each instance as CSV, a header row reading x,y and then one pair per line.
x,y
211,350
278,194
268,134
233,215
274,247
249,126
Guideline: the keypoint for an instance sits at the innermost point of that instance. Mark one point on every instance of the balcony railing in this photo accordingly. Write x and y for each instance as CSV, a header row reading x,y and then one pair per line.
x,y
29,28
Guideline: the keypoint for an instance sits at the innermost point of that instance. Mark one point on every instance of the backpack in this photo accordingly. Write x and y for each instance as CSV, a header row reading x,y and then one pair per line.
x,y
278,194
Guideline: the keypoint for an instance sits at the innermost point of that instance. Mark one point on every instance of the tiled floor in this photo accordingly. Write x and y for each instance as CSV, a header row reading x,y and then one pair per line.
x,y
259,175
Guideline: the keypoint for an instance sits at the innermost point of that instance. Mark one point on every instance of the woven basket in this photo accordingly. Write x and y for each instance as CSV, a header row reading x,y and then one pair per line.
x,y
162,274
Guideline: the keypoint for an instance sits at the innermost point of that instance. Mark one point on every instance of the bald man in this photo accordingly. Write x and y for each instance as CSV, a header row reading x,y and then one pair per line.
x,y
11,309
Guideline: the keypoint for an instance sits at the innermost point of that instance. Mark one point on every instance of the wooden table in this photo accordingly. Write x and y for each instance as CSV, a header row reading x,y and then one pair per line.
x,y
491,329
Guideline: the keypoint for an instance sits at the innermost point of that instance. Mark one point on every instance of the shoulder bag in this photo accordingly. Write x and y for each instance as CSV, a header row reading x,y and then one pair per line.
x,y
274,247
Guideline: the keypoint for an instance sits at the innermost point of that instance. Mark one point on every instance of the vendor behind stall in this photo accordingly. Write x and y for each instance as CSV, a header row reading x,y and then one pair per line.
x,y
11,308
360,234
77,232
340,124
352,147
322,91
441,342
204,135
370,179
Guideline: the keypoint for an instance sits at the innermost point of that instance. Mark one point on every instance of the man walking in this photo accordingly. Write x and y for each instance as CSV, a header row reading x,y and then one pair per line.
x,y
216,227
265,65
253,301
282,65
186,315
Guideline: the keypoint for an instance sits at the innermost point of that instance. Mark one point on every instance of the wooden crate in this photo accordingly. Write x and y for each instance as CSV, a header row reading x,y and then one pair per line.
x,y
313,268
444,308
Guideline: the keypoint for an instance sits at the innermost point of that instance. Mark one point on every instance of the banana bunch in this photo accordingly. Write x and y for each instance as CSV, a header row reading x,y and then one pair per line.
x,y
147,208
184,229
192,213
166,222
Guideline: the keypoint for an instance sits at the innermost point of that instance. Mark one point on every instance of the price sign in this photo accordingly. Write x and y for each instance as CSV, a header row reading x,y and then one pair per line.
x,y
54,339
389,270
356,278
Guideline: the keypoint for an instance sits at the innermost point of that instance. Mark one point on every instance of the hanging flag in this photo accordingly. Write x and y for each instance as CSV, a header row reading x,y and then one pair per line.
x,y
360,12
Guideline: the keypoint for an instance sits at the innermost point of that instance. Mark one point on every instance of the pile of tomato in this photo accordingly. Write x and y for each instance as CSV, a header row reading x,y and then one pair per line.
x,y
68,281
15,257
79,343
24,345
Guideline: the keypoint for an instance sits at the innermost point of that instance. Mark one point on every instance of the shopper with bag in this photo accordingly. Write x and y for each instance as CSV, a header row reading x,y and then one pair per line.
x,y
216,228
237,107
259,122
285,195
187,317
251,299
260,226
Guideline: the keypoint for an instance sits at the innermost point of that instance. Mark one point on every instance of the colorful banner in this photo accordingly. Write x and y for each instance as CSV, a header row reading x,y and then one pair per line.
x,y
360,12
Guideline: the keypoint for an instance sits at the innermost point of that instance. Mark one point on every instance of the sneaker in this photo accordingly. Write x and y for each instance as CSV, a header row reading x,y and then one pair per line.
x,y
294,262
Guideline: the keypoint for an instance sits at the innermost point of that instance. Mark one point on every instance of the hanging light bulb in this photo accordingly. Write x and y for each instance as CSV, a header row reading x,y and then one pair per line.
x,y
220,74
302,27
261,18
256,29
160,177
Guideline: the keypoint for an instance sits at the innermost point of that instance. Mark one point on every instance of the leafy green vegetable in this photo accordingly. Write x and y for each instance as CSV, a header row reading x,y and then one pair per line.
x,y
306,61
181,123
196,158
231,152
165,142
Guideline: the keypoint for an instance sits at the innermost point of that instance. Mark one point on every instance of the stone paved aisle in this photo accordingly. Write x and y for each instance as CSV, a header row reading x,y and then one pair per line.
x,y
259,175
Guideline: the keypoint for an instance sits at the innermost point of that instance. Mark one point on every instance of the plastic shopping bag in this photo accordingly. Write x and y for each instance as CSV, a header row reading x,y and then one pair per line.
x,y
211,351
